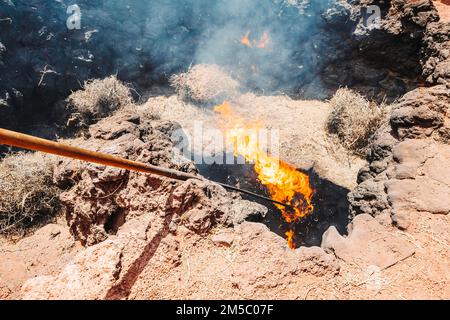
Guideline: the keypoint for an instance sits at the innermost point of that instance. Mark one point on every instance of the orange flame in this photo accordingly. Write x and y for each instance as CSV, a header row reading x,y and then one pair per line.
x,y
246,41
290,239
264,41
261,44
284,182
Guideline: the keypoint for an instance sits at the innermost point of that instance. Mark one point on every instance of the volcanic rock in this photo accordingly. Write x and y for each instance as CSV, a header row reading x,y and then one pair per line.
x,y
421,112
420,183
255,237
395,180
92,203
143,248
223,238
368,243
101,198
257,264
88,276
359,63
36,42
407,162
436,53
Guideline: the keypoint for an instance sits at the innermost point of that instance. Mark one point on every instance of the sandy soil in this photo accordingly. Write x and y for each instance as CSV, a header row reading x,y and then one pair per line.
x,y
424,275
47,251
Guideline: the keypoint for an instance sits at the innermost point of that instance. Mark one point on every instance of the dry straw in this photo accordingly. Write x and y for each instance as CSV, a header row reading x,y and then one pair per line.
x,y
354,120
98,99
205,83
28,196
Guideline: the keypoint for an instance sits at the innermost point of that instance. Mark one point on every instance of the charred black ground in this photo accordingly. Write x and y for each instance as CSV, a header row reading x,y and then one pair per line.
x,y
331,207
315,48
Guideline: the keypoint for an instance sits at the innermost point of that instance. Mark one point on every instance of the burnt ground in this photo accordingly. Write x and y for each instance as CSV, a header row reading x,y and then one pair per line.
x,y
316,48
331,207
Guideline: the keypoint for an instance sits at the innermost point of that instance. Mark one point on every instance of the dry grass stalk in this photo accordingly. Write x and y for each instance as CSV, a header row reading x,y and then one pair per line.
x,y
354,120
28,196
97,99
205,83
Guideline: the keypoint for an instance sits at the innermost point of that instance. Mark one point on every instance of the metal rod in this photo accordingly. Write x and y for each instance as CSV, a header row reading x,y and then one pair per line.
x,y
28,142
227,186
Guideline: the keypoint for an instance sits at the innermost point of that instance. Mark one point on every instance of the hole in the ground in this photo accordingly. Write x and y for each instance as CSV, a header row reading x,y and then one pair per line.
x,y
115,221
330,202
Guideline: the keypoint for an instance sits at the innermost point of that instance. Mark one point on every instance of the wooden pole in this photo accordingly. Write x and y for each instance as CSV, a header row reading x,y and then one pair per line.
x,y
28,142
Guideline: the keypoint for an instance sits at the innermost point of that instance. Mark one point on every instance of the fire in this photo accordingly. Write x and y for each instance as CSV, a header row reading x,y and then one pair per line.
x,y
284,182
264,41
261,44
290,239
246,41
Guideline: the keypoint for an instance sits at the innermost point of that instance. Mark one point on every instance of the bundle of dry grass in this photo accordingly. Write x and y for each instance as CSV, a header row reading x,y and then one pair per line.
x,y
99,98
205,83
28,196
354,120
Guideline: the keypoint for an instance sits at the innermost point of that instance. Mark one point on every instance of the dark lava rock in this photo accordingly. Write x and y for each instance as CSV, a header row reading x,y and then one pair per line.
x,y
41,60
408,160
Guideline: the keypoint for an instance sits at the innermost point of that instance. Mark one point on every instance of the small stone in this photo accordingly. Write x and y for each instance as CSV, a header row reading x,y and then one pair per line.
x,y
384,218
224,239
173,227
401,221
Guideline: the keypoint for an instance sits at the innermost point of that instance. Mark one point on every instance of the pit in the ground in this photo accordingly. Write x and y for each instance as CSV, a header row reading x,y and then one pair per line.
x,y
329,200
